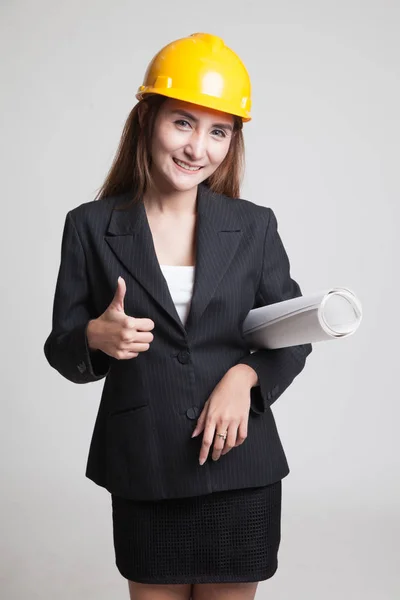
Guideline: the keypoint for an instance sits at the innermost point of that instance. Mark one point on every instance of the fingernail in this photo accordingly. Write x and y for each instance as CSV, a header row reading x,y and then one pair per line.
x,y
194,433
202,461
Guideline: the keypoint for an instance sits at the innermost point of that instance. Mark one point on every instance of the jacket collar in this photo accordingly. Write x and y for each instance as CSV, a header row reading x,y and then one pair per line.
x,y
218,233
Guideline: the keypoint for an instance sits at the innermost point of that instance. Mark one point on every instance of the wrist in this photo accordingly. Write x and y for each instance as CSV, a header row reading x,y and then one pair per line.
x,y
244,373
91,334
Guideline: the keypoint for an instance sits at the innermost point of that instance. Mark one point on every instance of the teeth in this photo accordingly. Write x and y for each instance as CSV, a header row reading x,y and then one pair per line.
x,y
185,166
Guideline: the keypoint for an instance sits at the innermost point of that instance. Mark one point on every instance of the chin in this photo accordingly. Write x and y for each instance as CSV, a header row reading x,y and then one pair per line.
x,y
185,184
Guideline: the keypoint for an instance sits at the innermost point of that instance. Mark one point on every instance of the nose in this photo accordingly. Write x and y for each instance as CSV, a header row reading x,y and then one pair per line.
x,y
195,149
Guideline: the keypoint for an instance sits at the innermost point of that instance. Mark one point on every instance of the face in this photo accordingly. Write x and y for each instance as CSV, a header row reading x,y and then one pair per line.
x,y
189,143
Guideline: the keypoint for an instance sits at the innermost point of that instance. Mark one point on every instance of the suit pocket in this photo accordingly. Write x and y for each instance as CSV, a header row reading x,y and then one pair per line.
x,y
125,390
126,410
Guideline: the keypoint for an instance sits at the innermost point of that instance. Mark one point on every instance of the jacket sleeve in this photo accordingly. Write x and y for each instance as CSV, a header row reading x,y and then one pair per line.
x,y
66,348
276,369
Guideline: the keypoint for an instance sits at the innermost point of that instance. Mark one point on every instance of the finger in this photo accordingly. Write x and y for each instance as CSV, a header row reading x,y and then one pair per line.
x,y
136,337
242,432
124,355
136,324
230,441
126,350
119,296
208,437
143,324
219,442
144,336
201,421
135,347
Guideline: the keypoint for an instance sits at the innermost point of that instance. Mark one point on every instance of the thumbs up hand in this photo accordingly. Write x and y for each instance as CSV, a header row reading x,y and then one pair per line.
x,y
117,334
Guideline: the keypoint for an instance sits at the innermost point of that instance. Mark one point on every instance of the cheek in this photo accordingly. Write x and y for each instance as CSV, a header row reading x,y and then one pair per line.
x,y
219,153
167,140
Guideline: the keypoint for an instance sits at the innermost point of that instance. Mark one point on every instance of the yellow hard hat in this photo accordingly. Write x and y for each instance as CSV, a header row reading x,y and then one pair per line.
x,y
200,69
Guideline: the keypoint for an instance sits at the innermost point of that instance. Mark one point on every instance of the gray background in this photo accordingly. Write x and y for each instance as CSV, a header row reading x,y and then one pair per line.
x,y
322,151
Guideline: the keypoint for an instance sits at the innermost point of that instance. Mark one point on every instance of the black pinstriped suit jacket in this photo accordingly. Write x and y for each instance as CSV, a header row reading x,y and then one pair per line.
x,y
141,446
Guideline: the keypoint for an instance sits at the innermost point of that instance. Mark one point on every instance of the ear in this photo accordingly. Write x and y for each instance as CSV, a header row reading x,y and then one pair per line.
x,y
142,110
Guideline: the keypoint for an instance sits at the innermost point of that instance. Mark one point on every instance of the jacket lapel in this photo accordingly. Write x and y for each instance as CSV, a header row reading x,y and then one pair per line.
x,y
218,235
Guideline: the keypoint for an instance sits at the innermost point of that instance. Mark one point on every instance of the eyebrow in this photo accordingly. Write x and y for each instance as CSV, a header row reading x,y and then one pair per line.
x,y
184,113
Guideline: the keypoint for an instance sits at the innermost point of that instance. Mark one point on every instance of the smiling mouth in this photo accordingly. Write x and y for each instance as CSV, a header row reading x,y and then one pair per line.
x,y
185,166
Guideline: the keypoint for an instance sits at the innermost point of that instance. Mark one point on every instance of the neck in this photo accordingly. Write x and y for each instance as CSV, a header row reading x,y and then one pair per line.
x,y
173,202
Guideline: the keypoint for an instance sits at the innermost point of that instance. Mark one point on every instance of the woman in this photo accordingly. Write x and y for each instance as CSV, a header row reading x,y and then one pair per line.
x,y
156,278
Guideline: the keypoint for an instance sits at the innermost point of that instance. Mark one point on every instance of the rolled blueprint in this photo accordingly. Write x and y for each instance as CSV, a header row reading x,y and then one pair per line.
x,y
323,315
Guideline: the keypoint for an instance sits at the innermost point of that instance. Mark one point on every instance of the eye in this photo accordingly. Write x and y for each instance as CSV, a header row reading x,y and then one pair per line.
x,y
180,121
220,131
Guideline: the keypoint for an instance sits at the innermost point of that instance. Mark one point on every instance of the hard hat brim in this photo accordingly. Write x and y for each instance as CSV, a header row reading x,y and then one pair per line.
x,y
195,98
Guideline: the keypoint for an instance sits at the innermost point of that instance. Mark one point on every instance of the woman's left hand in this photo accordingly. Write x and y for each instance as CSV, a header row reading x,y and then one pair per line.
x,y
226,410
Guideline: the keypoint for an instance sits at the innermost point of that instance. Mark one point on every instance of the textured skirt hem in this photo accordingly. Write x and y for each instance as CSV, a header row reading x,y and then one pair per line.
x,y
250,578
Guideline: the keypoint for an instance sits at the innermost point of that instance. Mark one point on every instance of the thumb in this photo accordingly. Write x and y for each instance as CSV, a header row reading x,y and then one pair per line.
x,y
118,301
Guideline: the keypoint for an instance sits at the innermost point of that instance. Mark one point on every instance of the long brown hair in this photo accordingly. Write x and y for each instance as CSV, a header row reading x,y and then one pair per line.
x,y
130,169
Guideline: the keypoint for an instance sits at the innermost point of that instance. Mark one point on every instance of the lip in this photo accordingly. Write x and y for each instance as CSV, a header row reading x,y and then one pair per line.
x,y
186,170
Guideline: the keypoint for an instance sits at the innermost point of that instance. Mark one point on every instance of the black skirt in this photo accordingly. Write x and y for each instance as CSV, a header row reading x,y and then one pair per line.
x,y
228,536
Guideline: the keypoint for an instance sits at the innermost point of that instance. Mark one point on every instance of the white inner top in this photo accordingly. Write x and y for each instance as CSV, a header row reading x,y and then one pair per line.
x,y
180,280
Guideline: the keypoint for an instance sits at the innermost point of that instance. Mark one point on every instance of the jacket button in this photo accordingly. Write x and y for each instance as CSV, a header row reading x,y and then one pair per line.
x,y
183,357
193,412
